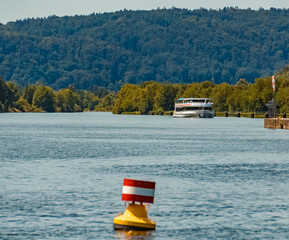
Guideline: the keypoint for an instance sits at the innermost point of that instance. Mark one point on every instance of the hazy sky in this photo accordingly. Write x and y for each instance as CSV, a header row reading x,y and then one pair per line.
x,y
11,10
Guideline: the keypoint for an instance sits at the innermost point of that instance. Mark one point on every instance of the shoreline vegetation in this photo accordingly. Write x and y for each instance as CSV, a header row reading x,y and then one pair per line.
x,y
150,97
39,98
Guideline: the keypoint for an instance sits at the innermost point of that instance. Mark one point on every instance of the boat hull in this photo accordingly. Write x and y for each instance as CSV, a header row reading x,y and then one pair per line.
x,y
194,114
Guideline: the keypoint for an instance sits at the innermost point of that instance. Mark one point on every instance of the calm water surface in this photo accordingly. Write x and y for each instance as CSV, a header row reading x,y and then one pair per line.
x,y
61,176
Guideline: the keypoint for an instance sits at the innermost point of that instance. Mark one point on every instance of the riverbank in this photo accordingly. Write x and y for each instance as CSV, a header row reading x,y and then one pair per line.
x,y
217,114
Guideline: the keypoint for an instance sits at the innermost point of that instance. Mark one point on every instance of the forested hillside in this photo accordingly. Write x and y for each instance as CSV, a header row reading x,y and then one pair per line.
x,y
164,45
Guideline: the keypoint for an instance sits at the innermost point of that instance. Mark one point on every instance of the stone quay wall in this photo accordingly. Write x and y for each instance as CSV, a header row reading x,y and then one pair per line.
x,y
277,123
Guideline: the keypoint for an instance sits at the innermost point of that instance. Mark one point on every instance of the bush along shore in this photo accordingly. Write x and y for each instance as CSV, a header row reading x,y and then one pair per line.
x,y
241,100
243,97
39,98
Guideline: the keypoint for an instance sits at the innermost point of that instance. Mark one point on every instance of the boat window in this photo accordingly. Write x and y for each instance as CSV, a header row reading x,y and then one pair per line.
x,y
192,108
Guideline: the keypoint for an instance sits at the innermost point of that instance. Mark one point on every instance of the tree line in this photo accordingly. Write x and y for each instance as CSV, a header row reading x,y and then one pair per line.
x,y
175,45
148,97
240,97
40,98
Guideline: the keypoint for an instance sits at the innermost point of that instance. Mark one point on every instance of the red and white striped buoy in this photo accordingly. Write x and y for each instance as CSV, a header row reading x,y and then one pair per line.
x,y
135,216
138,191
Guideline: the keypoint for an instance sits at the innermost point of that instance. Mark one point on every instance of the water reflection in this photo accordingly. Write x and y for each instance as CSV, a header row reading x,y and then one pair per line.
x,y
134,235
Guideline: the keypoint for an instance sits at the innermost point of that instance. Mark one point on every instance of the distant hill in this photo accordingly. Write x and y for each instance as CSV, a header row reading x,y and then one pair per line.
x,y
173,45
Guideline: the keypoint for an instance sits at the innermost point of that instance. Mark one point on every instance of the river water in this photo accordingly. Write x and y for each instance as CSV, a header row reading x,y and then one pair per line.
x,y
61,176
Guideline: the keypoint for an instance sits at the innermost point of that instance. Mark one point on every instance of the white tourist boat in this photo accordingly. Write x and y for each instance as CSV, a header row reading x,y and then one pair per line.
x,y
194,107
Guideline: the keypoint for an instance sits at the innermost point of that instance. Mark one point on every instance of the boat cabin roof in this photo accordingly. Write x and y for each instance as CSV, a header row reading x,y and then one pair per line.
x,y
194,99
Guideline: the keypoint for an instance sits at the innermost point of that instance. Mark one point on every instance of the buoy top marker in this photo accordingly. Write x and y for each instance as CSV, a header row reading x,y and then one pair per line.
x,y
138,191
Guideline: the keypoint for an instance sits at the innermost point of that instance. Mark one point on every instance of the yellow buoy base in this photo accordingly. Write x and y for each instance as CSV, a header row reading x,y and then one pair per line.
x,y
134,218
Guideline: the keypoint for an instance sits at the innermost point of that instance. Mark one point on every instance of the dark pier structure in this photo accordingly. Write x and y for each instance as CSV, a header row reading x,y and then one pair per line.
x,y
272,119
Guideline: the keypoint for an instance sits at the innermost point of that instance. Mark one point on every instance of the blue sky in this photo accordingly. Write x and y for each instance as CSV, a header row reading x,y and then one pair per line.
x,y
11,10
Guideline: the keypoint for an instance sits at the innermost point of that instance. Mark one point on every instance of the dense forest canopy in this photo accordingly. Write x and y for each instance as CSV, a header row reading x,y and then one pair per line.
x,y
163,45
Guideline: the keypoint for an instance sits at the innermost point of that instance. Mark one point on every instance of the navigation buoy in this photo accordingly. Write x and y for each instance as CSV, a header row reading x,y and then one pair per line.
x,y
135,216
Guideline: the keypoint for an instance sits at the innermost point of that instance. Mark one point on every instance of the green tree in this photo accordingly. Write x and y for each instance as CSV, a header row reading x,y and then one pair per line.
x,y
259,94
283,99
93,103
6,96
65,100
28,93
22,105
44,99
106,103
127,99
220,96
192,90
164,99
236,100
14,88
149,94
242,84
145,103
206,89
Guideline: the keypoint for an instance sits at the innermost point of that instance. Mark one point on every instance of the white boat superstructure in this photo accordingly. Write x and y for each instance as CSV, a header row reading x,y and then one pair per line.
x,y
194,107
